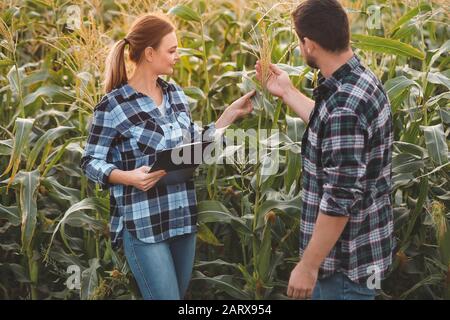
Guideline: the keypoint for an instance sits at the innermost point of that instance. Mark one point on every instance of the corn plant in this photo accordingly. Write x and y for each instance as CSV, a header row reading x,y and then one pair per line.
x,y
54,221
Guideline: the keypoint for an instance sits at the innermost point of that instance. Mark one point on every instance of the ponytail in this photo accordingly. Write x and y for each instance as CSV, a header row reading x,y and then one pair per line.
x,y
115,71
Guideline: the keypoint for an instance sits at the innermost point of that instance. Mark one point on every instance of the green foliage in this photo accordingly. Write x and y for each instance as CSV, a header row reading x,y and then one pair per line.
x,y
51,217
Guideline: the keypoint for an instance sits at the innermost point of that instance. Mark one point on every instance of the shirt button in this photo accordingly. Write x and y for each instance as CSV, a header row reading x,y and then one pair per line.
x,y
170,126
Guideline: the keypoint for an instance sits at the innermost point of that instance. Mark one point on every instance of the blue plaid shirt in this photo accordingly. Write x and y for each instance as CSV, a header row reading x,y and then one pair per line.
x,y
347,171
126,132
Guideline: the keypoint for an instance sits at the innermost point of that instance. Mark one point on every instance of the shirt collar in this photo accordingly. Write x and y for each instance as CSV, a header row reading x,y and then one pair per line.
x,y
329,85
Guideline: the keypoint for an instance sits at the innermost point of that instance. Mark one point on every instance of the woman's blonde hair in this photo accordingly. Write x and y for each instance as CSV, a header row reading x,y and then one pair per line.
x,y
147,31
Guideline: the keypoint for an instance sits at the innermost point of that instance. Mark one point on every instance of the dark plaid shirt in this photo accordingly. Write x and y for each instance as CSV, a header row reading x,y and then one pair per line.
x,y
126,132
346,162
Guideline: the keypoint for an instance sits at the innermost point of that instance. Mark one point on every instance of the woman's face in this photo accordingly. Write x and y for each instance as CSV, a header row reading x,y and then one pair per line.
x,y
164,58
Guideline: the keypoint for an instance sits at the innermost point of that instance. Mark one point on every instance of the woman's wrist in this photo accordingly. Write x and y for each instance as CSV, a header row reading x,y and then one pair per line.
x,y
227,118
118,176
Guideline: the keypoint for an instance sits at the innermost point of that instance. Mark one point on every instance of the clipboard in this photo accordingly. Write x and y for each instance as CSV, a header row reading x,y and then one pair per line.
x,y
179,162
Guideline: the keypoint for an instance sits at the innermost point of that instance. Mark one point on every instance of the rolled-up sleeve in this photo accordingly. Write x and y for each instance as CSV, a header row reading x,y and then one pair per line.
x,y
344,163
101,134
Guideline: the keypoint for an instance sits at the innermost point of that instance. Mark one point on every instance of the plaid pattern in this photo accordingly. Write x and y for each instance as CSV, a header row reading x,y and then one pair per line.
x,y
126,132
346,162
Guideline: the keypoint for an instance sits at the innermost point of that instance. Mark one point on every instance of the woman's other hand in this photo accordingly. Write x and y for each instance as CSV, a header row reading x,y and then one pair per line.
x,y
142,179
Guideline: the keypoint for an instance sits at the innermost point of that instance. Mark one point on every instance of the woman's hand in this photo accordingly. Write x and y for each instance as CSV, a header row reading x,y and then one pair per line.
x,y
242,106
143,180
238,109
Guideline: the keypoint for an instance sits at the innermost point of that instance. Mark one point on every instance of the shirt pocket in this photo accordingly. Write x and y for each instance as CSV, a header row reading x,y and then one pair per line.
x,y
176,128
147,136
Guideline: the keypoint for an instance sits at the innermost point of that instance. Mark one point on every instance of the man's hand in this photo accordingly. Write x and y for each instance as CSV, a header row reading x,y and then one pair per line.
x,y
278,82
302,281
326,232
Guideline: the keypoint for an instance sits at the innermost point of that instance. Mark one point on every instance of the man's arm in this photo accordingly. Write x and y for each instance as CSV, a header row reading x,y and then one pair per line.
x,y
299,103
344,165
281,86
326,232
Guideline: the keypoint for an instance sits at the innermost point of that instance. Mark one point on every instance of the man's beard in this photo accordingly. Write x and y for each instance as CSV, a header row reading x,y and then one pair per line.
x,y
311,62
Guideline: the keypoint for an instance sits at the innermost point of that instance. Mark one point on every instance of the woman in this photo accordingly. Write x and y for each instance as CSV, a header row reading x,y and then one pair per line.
x,y
136,118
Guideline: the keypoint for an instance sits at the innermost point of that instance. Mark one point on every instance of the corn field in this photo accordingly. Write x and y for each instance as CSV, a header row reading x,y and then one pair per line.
x,y
54,222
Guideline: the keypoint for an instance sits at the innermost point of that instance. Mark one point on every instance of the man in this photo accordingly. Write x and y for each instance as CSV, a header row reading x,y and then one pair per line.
x,y
346,224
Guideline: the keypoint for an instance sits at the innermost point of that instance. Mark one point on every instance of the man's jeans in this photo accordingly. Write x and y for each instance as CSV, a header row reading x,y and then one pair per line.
x,y
340,287
162,270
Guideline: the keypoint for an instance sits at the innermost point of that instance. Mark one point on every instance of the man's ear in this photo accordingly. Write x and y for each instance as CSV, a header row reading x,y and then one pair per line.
x,y
148,54
310,45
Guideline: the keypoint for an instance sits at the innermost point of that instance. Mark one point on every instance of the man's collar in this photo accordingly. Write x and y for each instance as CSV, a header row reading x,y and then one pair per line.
x,y
329,85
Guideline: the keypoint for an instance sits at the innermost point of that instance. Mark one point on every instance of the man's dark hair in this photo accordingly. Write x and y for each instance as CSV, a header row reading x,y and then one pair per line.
x,y
323,21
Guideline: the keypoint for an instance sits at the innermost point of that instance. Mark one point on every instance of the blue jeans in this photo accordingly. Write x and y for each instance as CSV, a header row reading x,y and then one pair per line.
x,y
162,270
339,287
